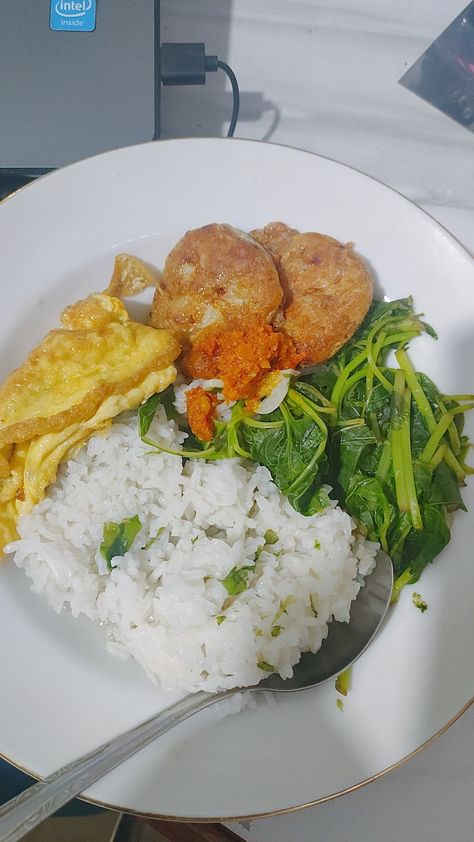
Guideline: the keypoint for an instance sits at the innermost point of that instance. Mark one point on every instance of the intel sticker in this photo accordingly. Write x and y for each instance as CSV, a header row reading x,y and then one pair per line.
x,y
73,15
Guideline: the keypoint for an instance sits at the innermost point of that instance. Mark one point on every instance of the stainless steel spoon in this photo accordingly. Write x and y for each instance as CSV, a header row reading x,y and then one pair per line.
x,y
343,645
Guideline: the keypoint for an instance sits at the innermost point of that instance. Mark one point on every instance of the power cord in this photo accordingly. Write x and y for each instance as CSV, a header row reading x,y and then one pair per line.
x,y
235,95
187,64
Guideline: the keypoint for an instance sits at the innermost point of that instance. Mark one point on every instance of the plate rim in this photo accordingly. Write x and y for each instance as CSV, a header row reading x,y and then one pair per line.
x,y
461,248
246,140
270,813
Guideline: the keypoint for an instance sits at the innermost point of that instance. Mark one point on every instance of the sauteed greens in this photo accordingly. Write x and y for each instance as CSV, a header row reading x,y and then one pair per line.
x,y
373,434
399,473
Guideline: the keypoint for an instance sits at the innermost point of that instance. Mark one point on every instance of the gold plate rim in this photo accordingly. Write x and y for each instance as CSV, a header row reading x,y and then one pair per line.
x,y
267,814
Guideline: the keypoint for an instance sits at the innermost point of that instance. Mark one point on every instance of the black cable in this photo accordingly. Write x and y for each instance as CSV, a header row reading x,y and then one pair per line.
x,y
235,94
187,64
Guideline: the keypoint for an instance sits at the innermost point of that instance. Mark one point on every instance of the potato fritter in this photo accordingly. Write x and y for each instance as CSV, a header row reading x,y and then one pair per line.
x,y
213,275
327,289
273,235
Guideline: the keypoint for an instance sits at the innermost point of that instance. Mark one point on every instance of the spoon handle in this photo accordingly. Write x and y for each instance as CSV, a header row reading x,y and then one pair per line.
x,y
24,812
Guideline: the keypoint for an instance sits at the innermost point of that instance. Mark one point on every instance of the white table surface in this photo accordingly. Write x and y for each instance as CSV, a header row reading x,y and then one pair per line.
x,y
323,76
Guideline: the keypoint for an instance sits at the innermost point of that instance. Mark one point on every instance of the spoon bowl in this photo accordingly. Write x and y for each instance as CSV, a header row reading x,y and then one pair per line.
x,y
344,643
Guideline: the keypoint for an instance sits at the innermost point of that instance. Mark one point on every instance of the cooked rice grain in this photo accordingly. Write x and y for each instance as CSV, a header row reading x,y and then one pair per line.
x,y
161,604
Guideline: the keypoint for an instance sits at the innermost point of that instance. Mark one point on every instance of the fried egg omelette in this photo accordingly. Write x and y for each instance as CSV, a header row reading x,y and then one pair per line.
x,y
98,364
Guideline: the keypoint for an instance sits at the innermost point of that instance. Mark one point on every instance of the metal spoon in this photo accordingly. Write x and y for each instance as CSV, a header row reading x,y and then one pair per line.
x,y
344,644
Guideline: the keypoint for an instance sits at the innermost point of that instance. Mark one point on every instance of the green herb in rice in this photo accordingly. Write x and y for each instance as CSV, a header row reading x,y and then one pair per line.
x,y
118,538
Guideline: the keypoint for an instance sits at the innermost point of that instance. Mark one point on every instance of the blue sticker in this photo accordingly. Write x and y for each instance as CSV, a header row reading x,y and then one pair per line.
x,y
73,15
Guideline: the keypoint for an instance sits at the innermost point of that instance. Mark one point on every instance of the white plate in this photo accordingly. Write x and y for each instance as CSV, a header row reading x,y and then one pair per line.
x,y
61,693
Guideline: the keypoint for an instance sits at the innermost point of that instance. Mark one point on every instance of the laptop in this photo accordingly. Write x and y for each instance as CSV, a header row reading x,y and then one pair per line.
x,y
77,77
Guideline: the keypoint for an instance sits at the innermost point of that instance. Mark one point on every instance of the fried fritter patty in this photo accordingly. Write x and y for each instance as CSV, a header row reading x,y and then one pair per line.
x,y
273,235
215,274
327,289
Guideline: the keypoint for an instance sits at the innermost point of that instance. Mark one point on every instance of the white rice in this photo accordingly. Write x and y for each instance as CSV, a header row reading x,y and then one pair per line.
x,y
160,604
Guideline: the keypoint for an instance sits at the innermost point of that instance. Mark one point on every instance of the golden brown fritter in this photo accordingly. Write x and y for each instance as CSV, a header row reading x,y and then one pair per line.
x,y
273,235
130,277
213,275
327,289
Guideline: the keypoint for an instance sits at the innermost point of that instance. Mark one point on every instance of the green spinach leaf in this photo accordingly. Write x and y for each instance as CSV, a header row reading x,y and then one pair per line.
x,y
423,545
290,454
353,443
367,502
146,413
118,538
444,489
